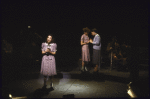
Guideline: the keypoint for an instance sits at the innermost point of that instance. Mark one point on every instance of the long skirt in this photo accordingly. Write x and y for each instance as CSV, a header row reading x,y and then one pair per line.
x,y
48,65
96,57
85,53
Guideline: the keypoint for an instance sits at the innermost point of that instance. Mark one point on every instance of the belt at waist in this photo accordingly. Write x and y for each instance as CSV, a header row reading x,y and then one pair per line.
x,y
48,54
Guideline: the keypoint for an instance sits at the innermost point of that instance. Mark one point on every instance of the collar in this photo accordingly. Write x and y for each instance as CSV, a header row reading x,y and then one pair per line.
x,y
96,35
46,43
49,44
85,35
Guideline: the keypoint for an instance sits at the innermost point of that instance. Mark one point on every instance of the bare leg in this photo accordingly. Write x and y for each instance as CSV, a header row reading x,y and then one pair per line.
x,y
96,68
51,80
44,80
82,64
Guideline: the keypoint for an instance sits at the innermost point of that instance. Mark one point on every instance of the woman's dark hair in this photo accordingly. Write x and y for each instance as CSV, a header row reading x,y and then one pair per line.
x,y
86,30
52,38
94,30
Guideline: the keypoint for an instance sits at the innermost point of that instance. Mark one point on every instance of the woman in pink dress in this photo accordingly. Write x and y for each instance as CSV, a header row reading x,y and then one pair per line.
x,y
85,48
48,65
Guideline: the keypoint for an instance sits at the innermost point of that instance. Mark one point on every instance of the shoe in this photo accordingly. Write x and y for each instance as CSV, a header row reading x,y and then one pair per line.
x,y
44,87
51,84
95,69
82,69
44,83
86,69
47,79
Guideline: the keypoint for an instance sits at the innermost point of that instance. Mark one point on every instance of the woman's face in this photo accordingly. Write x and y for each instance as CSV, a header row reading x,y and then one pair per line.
x,y
85,33
49,39
93,33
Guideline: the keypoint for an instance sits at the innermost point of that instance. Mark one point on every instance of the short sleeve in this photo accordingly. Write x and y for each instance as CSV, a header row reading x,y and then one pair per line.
x,y
42,47
82,38
55,47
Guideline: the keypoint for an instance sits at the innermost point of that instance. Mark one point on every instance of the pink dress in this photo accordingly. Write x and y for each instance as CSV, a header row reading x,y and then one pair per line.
x,y
48,65
85,48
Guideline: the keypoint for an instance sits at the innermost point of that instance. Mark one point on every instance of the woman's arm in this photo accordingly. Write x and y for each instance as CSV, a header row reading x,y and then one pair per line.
x,y
43,52
54,49
42,48
83,43
53,53
82,39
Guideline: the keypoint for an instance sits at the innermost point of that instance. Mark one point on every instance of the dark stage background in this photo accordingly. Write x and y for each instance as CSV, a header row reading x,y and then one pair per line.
x,y
65,19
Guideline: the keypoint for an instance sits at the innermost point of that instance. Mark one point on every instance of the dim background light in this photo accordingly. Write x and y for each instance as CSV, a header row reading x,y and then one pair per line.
x,y
29,26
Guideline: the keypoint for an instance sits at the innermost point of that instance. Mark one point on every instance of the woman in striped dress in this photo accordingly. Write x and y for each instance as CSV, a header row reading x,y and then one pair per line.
x,y
85,48
48,65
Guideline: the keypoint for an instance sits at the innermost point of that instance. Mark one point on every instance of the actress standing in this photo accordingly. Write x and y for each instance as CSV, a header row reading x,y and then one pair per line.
x,y
48,65
96,49
85,48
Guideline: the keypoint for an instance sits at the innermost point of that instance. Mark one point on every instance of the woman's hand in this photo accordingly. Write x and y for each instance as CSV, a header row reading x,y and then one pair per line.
x,y
53,53
87,42
47,50
91,41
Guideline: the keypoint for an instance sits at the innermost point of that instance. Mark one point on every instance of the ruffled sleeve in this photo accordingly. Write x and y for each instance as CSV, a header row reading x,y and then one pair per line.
x,y
82,38
42,47
55,47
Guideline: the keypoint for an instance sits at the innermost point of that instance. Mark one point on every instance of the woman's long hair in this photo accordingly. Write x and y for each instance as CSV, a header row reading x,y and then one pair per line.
x,y
52,38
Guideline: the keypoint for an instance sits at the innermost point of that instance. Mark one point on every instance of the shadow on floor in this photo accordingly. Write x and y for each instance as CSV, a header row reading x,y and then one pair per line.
x,y
39,93
100,77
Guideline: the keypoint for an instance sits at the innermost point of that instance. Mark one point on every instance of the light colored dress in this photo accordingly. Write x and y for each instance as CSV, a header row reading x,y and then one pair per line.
x,y
85,48
48,64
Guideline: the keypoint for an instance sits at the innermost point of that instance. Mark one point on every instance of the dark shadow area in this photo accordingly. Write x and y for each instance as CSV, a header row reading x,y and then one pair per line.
x,y
140,87
31,76
68,96
5,92
85,76
14,65
100,77
67,58
117,79
28,76
59,75
39,93
144,67
14,91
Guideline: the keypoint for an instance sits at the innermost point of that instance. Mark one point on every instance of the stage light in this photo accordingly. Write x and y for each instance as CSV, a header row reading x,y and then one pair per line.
x,y
132,95
10,96
29,26
130,92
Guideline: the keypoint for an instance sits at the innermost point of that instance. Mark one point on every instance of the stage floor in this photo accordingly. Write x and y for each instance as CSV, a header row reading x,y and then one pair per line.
x,y
73,83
